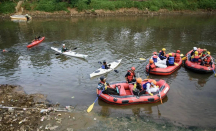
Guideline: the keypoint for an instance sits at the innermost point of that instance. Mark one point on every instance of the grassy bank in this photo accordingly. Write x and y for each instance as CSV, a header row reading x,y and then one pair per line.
x,y
80,5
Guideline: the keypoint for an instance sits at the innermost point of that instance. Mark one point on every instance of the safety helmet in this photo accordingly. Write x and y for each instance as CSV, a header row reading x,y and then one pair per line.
x,y
63,44
170,54
208,53
163,49
104,61
154,53
153,82
133,68
194,48
151,61
178,51
139,80
102,78
196,52
204,50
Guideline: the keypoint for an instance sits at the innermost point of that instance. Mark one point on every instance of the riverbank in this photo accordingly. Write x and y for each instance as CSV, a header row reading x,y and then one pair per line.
x,y
20,111
72,12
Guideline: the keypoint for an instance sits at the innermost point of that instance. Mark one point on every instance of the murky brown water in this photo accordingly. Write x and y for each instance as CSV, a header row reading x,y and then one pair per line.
x,y
190,101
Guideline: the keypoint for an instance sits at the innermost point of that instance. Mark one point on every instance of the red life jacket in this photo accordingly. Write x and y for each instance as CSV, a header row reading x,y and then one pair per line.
x,y
130,77
152,66
177,57
196,57
207,61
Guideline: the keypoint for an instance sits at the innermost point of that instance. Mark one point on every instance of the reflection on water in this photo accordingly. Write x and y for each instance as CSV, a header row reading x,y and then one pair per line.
x,y
66,79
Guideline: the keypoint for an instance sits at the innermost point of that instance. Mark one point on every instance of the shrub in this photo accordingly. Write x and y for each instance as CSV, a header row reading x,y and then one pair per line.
x,y
7,7
153,8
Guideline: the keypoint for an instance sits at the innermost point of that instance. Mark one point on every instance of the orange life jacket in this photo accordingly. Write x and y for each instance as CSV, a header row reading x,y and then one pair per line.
x,y
130,77
177,57
152,66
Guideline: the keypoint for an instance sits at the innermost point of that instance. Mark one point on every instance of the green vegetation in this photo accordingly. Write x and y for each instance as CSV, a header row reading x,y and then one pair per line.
x,y
154,5
7,7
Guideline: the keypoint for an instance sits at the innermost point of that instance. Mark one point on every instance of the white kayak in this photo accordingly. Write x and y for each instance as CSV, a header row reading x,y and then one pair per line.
x,y
70,53
101,71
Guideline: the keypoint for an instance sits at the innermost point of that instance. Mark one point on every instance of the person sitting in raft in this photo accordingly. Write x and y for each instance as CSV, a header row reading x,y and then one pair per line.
x,y
105,66
130,76
64,49
137,89
103,85
194,49
151,65
162,54
150,87
204,53
170,60
177,56
155,57
195,57
207,61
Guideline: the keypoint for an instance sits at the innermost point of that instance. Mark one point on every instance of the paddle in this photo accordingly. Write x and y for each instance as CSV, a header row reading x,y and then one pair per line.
x,y
116,71
214,72
61,53
92,105
184,58
160,97
176,64
142,58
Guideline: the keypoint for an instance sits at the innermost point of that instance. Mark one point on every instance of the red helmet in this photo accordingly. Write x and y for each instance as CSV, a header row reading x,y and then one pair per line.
x,y
154,53
133,68
178,51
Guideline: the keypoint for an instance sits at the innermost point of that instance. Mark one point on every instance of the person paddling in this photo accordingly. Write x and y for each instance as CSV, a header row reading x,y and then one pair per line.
x,y
150,87
103,85
36,38
137,89
64,49
105,66
130,76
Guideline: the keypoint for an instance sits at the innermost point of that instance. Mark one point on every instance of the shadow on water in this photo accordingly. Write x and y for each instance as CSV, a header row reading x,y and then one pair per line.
x,y
136,110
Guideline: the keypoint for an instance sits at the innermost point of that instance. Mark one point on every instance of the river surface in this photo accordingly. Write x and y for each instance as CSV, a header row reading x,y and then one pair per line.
x,y
190,101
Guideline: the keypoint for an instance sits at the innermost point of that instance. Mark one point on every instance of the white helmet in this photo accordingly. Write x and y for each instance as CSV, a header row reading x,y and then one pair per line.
x,y
194,48
63,44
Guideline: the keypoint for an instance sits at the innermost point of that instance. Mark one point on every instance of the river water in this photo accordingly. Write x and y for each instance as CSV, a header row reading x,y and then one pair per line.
x,y
66,80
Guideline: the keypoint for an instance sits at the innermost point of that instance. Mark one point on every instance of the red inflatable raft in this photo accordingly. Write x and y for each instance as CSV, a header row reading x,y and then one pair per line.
x,y
196,67
36,42
165,71
126,96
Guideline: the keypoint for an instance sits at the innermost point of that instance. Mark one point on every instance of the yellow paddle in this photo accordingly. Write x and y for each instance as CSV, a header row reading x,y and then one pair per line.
x,y
92,105
142,58
184,58
176,64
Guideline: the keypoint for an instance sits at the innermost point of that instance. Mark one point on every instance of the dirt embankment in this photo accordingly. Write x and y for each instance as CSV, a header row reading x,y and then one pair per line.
x,y
22,112
72,12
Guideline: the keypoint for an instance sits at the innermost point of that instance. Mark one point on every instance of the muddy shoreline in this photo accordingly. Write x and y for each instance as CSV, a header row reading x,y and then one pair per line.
x,y
20,111
101,13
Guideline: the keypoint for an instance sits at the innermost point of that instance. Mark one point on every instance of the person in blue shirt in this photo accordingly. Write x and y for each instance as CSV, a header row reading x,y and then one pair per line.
x,y
105,66
170,60
162,54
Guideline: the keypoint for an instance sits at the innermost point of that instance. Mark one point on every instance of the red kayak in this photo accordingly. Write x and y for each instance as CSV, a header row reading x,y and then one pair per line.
x,y
126,96
196,67
36,42
165,71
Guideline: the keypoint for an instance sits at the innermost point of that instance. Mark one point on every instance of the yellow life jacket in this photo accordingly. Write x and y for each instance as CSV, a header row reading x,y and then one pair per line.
x,y
105,84
134,88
